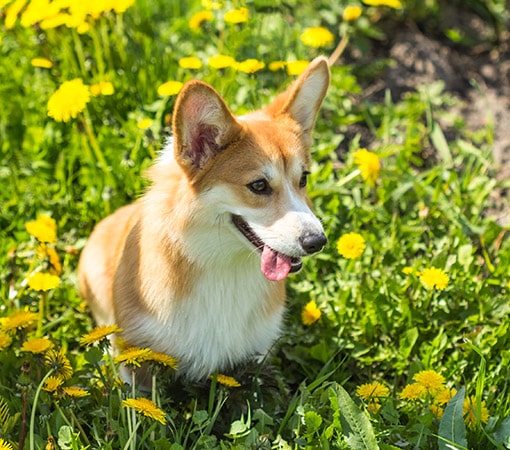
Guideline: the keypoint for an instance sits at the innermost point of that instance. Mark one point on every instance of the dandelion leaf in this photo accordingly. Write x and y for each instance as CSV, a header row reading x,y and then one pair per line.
x,y
356,427
502,434
452,429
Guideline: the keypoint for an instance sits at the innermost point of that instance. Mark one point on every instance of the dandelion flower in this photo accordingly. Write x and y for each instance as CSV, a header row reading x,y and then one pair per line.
x,y
36,345
120,6
395,4
236,16
69,100
430,380
146,407
373,407
470,413
317,37
18,321
99,333
372,391
12,12
437,410
351,245
197,19
102,88
277,65
75,391
443,396
190,62
170,88
52,383
144,124
40,281
434,278
225,380
210,4
163,359
4,445
5,340
43,63
52,255
57,360
311,313
221,61
412,391
296,67
368,164
250,66
133,356
44,229
351,13
407,270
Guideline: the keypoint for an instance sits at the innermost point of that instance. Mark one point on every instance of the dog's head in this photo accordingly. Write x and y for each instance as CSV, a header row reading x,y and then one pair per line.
x,y
254,168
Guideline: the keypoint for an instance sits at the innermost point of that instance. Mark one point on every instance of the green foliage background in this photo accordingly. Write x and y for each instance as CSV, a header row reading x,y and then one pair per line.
x,y
378,323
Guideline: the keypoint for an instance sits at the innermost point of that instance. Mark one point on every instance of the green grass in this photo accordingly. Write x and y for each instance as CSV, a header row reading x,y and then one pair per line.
x,y
378,322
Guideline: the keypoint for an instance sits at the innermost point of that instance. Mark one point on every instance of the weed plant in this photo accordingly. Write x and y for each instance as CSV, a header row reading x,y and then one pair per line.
x,y
397,335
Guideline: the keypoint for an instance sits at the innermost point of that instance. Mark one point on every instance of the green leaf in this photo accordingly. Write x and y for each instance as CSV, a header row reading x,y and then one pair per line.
x,y
440,143
502,434
452,429
357,429
312,421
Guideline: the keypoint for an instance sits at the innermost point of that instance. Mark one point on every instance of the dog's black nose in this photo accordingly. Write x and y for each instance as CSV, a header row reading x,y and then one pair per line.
x,y
312,242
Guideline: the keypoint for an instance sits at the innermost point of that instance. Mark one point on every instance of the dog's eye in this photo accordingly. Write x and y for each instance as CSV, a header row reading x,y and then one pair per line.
x,y
304,179
260,187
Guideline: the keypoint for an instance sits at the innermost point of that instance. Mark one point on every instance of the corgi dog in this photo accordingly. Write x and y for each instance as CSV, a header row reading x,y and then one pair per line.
x,y
196,267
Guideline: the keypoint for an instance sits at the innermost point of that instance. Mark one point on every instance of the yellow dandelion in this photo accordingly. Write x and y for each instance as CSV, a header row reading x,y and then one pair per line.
x,y
75,391
102,88
170,88
234,16
351,13
221,61
44,229
437,410
5,340
69,100
443,396
407,270
395,4
36,345
434,278
18,321
430,380
250,66
373,390
470,414
373,407
43,63
55,21
197,19
311,313
317,37
144,124
99,333
146,407
413,391
12,12
225,380
40,281
368,164
53,383
52,255
57,360
351,245
120,6
4,445
163,359
190,62
277,65
296,67
210,4
133,356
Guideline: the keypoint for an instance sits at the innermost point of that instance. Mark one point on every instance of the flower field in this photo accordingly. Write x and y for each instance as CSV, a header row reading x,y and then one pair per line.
x,y
397,335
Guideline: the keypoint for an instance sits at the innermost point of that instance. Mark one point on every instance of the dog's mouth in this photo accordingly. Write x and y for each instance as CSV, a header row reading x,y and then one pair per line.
x,y
274,265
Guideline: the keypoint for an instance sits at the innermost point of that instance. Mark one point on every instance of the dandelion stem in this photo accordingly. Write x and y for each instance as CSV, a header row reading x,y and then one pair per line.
x,y
340,48
34,408
131,442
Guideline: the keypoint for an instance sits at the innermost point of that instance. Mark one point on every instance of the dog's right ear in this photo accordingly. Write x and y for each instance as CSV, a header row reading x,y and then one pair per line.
x,y
202,126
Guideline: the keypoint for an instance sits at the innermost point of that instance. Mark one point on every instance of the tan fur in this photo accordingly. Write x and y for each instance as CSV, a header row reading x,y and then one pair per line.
x,y
148,258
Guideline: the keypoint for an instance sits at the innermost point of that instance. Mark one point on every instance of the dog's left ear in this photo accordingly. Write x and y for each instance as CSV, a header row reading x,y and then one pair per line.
x,y
304,97
203,126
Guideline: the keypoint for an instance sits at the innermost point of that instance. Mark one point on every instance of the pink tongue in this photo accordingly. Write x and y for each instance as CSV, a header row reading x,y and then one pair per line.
x,y
274,265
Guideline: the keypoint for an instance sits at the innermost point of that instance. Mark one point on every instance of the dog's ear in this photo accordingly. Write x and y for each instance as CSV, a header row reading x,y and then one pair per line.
x,y
202,125
304,97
